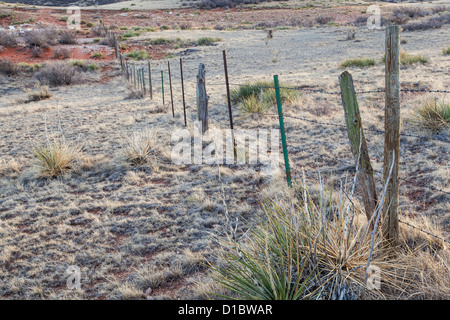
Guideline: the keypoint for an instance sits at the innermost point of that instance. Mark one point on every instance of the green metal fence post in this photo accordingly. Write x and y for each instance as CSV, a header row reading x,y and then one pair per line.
x,y
283,134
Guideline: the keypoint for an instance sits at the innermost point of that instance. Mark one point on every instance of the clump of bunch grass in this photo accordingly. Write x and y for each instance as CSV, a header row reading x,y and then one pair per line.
x,y
207,41
432,114
265,89
56,157
141,148
446,51
39,94
407,59
138,55
358,62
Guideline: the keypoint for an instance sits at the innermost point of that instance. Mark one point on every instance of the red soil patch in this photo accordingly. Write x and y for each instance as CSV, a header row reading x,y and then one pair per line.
x,y
82,52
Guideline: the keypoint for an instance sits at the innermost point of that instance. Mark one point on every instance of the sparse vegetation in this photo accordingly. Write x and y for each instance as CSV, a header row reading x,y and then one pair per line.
x,y
433,114
58,74
142,148
38,94
56,157
7,67
161,41
41,37
138,55
358,63
207,41
61,53
97,55
7,39
68,37
446,51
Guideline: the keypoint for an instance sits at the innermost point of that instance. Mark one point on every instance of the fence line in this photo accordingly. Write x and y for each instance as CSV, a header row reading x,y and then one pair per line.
x,y
126,71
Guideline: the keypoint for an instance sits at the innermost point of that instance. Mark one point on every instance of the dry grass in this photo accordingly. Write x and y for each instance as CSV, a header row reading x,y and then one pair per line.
x,y
142,148
56,157
433,114
38,94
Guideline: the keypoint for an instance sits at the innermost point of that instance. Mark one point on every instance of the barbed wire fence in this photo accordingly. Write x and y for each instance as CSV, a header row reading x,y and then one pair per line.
x,y
142,78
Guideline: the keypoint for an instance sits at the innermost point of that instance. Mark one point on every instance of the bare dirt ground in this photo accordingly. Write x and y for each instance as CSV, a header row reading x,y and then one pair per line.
x,y
130,229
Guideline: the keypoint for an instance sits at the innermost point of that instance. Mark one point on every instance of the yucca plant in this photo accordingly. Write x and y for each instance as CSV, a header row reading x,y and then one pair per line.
x,y
433,115
254,104
56,157
306,247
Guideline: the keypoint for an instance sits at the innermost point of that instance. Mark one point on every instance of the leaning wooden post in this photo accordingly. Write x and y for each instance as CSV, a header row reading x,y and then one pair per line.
x,y
202,98
358,143
392,133
283,134
170,85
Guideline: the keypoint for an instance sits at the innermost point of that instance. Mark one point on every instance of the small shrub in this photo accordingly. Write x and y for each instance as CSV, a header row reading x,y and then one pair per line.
x,y
58,74
135,94
446,51
107,42
36,52
7,39
433,115
68,37
138,55
61,53
98,31
161,41
39,94
185,25
55,158
358,62
7,67
29,67
97,55
125,9
43,37
408,59
412,12
323,20
207,41
164,28
89,24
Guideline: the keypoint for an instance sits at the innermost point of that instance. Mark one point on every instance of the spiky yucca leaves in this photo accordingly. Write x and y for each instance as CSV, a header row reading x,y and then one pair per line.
x,y
305,247
142,148
267,266
56,157
433,115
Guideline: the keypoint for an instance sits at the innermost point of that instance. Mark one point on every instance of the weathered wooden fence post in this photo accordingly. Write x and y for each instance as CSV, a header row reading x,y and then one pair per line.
x,y
202,98
358,143
392,133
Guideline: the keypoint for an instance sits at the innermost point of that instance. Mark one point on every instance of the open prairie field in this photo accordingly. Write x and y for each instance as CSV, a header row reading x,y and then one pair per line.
x,y
88,178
